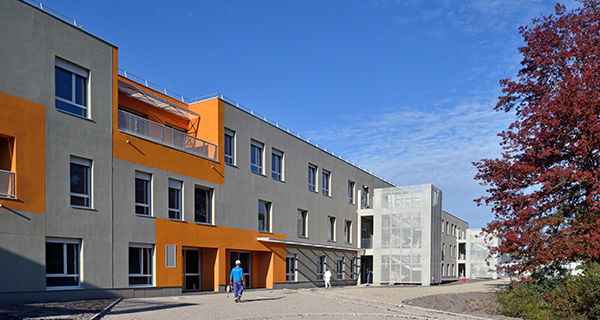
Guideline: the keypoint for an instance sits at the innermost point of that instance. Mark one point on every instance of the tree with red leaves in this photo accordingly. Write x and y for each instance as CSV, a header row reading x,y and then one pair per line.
x,y
544,189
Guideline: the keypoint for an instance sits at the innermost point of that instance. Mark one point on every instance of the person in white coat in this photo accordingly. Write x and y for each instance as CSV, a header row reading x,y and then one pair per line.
x,y
327,278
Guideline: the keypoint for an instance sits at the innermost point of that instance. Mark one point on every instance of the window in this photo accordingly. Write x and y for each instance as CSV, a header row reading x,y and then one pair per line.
x,y
229,147
291,267
331,229
302,223
256,157
320,267
140,265
143,190
62,263
312,178
203,211
351,187
7,174
442,226
171,256
175,199
443,251
447,224
340,268
353,269
277,164
264,216
348,231
326,182
364,198
81,178
71,88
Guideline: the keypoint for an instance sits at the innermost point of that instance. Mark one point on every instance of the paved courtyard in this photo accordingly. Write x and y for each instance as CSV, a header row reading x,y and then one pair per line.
x,y
337,303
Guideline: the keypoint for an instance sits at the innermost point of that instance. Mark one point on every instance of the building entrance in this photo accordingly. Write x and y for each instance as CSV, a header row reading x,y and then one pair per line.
x,y
244,257
191,269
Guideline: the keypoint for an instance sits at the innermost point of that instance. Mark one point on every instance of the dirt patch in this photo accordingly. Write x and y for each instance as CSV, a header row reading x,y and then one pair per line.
x,y
78,310
475,303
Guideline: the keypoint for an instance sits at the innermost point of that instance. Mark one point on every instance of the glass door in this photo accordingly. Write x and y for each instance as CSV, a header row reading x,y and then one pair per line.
x,y
191,269
244,258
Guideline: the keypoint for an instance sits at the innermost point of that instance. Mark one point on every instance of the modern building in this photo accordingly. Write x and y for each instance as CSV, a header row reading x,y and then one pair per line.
x,y
479,262
111,186
453,248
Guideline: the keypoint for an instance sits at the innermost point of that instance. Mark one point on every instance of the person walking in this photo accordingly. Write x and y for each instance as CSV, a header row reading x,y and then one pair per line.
x,y
327,278
236,278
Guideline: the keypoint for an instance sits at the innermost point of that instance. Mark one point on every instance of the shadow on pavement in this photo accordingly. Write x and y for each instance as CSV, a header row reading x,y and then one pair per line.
x,y
261,299
142,306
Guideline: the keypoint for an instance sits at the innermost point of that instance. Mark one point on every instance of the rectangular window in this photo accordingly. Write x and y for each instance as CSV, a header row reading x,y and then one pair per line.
x,y
81,182
340,268
277,164
348,231
290,268
331,228
256,157
203,208
312,178
71,88
351,191
140,265
353,269
7,174
143,191
264,216
229,147
302,223
321,267
326,182
62,263
175,199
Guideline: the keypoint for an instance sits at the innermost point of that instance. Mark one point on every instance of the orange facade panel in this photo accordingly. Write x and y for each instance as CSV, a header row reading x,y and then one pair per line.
x,y
23,128
215,244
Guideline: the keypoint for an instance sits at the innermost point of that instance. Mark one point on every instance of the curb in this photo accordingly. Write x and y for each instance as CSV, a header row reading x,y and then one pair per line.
x,y
104,311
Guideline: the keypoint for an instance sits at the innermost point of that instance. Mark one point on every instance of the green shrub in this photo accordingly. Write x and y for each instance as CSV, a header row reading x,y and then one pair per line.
x,y
524,301
578,297
563,297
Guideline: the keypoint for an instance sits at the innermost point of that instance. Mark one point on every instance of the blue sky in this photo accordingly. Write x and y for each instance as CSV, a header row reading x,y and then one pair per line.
x,y
403,88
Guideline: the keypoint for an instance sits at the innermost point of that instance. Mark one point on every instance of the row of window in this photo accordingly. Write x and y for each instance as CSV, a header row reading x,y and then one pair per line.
x,y
257,150
340,268
453,230
63,263
451,251
302,227
81,196
448,270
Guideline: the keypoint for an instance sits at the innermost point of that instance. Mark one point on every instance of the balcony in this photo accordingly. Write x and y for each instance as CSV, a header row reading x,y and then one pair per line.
x,y
152,131
366,243
7,184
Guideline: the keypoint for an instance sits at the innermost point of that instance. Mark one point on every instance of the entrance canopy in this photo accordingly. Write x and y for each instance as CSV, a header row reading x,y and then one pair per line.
x,y
307,244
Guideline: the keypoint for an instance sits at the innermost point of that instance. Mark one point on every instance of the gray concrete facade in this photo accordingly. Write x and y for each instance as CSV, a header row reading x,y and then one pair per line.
x,y
452,231
30,44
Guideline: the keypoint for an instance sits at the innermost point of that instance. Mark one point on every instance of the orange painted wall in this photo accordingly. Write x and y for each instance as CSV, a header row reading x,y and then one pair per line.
x,y
26,122
187,234
162,157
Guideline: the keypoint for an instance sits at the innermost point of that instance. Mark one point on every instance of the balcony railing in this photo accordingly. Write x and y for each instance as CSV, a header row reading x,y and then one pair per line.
x,y
7,184
366,243
150,130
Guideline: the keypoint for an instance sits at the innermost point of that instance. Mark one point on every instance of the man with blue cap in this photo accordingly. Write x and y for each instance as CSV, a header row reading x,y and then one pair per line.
x,y
236,277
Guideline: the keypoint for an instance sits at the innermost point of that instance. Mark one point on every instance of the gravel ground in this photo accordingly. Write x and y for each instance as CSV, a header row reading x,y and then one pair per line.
x,y
367,303
79,310
476,303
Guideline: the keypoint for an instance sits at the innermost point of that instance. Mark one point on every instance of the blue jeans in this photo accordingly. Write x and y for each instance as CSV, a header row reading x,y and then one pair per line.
x,y
238,287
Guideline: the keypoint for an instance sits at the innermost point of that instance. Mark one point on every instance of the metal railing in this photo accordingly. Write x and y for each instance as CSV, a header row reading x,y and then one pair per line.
x,y
366,243
236,104
155,132
54,13
7,184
